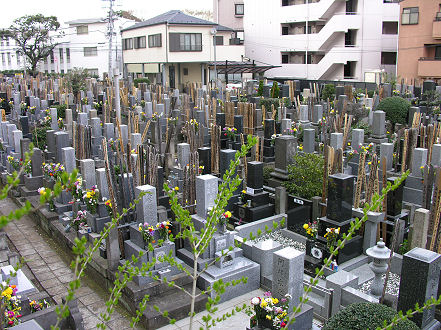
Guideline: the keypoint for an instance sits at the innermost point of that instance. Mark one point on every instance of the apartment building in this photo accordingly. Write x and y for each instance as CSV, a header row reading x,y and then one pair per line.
x,y
176,48
322,39
84,44
419,45
230,13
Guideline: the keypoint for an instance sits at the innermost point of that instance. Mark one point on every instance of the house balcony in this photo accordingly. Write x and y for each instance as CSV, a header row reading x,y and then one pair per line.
x,y
436,28
429,67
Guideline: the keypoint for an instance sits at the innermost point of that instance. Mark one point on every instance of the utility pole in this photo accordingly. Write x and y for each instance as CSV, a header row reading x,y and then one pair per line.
x,y
110,35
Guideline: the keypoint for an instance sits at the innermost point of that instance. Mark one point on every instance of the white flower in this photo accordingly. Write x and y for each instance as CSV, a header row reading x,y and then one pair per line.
x,y
255,301
288,296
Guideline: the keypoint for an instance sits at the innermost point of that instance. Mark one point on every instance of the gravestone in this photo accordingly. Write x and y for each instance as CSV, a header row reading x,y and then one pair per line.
x,y
317,113
308,140
68,159
102,183
420,228
386,150
146,209
87,167
225,158
419,159
206,192
61,141
336,141
419,281
183,154
357,138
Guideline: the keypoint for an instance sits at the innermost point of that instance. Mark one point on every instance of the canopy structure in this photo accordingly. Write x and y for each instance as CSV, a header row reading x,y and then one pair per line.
x,y
231,67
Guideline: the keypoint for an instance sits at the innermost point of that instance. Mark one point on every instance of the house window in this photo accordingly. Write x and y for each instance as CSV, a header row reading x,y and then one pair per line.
x,y
219,40
185,42
239,9
409,16
90,51
127,43
185,71
285,58
18,57
3,59
92,72
285,30
438,53
155,40
139,42
62,71
67,55
61,55
7,41
389,58
52,56
82,29
9,58
390,27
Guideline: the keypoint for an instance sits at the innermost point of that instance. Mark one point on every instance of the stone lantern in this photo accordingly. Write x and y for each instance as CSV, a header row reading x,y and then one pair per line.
x,y
380,253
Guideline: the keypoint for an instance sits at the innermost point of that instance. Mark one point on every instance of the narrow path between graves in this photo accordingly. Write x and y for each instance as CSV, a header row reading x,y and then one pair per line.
x,y
49,265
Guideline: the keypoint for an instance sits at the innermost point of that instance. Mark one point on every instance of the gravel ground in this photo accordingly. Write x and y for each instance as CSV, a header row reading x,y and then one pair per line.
x,y
285,241
392,288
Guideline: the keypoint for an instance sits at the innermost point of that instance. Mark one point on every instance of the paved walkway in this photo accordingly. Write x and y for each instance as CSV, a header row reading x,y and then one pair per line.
x,y
48,268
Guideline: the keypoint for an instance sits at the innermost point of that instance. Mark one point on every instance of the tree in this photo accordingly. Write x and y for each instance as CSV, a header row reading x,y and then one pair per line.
x,y
76,80
34,36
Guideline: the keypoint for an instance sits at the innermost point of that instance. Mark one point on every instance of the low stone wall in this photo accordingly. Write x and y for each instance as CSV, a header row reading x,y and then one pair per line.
x,y
245,230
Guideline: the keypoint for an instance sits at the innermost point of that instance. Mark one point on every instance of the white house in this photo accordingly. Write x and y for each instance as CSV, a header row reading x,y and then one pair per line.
x,y
326,39
177,48
84,44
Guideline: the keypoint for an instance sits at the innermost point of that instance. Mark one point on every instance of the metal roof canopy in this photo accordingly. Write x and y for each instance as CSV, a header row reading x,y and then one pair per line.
x,y
223,67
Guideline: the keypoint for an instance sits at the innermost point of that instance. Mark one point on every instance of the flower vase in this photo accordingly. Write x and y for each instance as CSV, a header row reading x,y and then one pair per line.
x,y
67,228
230,145
249,203
239,200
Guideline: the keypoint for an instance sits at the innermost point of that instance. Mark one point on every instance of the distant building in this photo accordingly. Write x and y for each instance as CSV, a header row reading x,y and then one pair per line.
x,y
176,48
327,39
84,44
230,13
419,46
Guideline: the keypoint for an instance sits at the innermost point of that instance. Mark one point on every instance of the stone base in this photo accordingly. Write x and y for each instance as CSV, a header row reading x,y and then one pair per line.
x,y
268,159
414,196
241,267
377,140
25,192
245,214
33,183
61,208
434,325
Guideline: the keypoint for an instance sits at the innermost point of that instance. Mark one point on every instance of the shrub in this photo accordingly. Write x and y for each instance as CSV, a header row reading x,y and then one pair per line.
x,y
366,316
267,103
275,90
364,126
305,176
260,89
396,108
39,137
371,94
141,80
61,110
267,170
328,92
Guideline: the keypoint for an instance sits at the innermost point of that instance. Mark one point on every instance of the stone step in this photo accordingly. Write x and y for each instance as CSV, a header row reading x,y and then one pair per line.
x,y
175,302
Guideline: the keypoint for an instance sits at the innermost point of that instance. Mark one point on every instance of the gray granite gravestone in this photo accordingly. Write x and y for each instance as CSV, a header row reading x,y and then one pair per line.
x,y
146,209
206,192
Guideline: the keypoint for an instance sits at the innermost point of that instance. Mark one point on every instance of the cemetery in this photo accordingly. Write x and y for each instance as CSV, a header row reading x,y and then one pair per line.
x,y
159,161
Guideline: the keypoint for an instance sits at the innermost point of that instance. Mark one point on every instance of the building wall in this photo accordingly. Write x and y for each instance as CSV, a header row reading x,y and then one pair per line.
x,y
412,39
264,41
224,14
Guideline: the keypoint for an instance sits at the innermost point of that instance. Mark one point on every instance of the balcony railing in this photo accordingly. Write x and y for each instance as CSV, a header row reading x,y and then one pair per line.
x,y
436,29
429,59
438,16
429,67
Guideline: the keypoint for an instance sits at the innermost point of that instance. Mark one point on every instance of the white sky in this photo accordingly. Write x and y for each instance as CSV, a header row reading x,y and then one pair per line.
x,y
67,10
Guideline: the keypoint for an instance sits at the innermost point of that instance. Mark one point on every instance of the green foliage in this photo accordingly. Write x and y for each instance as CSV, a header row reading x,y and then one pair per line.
x,y
267,170
260,89
76,80
61,110
39,137
396,109
267,103
370,94
366,316
305,175
404,247
141,80
34,35
275,90
328,92
364,126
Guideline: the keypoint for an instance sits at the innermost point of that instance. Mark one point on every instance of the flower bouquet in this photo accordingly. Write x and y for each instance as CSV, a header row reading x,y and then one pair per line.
x,y
311,229
52,170
164,229
269,312
230,133
109,209
44,192
331,236
39,305
79,220
60,123
90,197
147,232
11,303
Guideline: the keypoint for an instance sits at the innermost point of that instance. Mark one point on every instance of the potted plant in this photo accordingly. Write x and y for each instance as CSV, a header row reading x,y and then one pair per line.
x,y
222,225
90,197
79,220
268,312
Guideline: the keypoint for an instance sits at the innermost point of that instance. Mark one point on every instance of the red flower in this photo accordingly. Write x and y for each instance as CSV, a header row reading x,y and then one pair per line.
x,y
283,324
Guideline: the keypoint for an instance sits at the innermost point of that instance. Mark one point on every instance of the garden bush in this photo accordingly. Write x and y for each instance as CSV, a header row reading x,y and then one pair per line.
x,y
305,176
396,108
267,103
61,110
267,170
39,137
362,316
141,80
275,90
328,92
260,89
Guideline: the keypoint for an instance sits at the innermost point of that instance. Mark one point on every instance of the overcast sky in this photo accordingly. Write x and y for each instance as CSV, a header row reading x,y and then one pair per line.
x,y
67,10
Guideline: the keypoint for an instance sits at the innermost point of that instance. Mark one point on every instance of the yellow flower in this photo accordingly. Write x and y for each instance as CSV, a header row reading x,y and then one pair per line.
x,y
305,226
263,304
228,214
244,192
7,292
349,143
275,301
268,317
177,188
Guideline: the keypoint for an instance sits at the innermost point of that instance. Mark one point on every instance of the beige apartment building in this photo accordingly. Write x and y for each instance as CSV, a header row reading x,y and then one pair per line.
x,y
419,43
